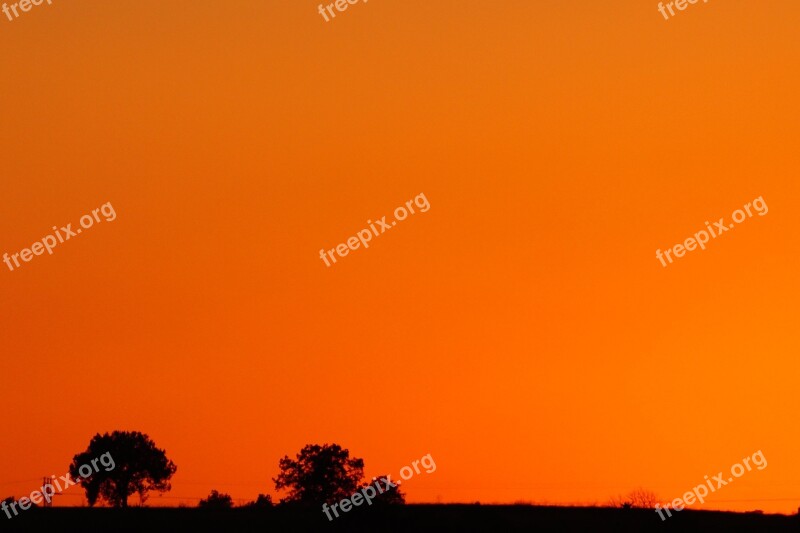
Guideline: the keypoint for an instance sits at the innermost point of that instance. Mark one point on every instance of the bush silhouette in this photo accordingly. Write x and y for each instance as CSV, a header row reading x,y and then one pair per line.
x,y
636,499
389,496
264,501
216,500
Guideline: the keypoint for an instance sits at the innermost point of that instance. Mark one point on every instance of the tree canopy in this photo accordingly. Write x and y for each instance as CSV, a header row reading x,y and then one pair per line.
x,y
319,474
216,500
139,467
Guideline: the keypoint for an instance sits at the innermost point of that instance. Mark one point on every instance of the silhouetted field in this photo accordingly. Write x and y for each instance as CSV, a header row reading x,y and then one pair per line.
x,y
407,518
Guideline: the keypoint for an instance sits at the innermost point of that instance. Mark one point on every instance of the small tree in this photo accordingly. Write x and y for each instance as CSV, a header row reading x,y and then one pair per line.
x,y
389,496
643,499
138,467
216,500
319,474
264,501
636,499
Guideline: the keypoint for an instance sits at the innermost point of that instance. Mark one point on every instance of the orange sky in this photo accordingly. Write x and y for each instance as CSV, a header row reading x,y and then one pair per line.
x,y
521,331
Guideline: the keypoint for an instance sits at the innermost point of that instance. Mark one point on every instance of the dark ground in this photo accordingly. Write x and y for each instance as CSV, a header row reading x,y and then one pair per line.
x,y
408,518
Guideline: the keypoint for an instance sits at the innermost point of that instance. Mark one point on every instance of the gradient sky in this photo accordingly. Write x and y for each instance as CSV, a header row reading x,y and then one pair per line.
x,y
521,331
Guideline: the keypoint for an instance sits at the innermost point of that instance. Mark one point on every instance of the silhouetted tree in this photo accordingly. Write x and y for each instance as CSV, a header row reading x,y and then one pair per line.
x,y
643,499
636,499
320,474
216,500
389,496
264,501
139,467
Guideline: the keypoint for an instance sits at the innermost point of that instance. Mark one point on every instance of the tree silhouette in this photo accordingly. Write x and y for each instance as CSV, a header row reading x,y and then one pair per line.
x,y
264,501
216,500
389,496
139,467
642,499
320,474
636,499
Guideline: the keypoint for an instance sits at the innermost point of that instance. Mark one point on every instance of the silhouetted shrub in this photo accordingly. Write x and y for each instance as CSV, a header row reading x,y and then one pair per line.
x,y
216,500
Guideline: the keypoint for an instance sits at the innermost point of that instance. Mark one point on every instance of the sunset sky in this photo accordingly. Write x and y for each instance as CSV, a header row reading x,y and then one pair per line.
x,y
521,331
